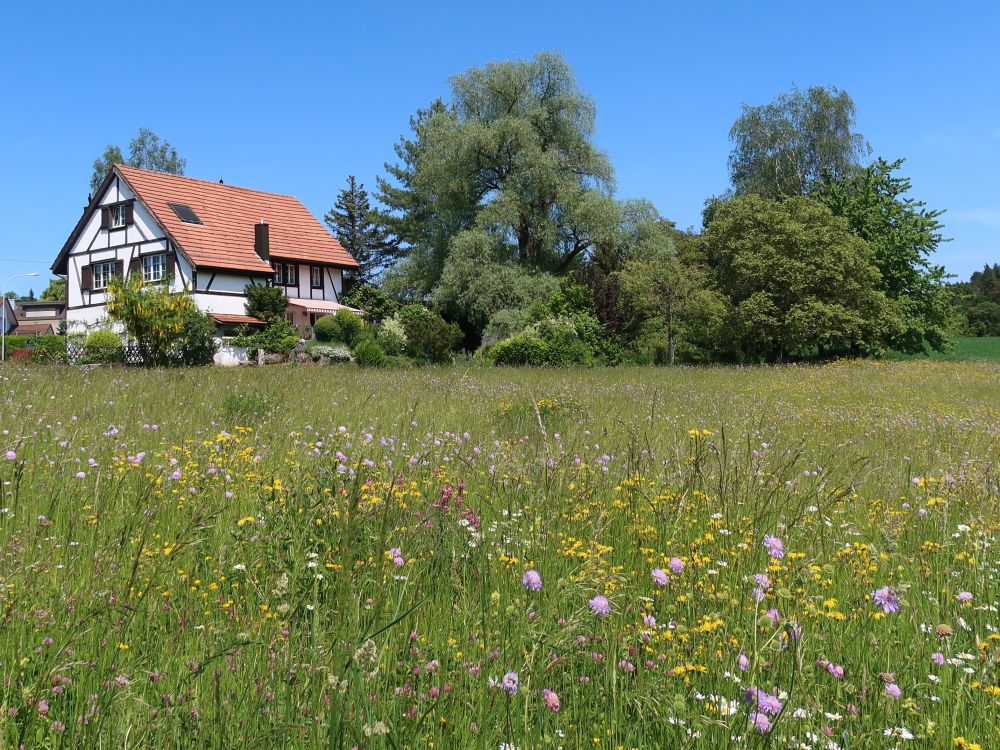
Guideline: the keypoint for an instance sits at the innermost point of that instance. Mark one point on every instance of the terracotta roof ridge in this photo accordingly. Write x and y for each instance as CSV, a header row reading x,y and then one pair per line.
x,y
208,182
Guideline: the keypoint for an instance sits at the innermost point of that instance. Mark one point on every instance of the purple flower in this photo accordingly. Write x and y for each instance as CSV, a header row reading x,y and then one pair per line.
x,y
964,596
600,605
510,683
886,598
775,547
836,670
743,662
10,455
938,658
762,580
761,722
893,691
532,580
676,565
659,577
769,704
551,700
775,617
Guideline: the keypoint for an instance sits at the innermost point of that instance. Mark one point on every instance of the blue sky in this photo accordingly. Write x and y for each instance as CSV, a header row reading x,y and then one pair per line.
x,y
293,97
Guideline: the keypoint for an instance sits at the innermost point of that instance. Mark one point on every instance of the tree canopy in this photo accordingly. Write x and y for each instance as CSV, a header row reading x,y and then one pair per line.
x,y
510,156
789,145
797,278
145,151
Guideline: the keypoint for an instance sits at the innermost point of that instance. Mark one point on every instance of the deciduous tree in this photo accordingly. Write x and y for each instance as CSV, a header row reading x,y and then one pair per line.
x,y
146,151
784,148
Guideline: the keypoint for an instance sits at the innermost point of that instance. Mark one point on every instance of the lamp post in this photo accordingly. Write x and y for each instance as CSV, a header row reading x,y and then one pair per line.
x,y
3,327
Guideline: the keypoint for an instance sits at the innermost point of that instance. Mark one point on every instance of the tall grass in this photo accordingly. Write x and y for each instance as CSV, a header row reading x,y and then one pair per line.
x,y
303,557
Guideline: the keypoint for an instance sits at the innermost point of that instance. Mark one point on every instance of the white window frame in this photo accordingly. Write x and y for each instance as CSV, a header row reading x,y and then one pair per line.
x,y
101,274
118,216
279,274
291,274
316,277
154,268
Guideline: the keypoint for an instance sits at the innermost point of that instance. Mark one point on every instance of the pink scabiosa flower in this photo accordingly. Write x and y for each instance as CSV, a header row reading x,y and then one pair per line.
x,y
659,577
551,700
600,605
774,546
532,580
10,455
887,599
964,596
893,691
676,565
774,615
938,658
743,662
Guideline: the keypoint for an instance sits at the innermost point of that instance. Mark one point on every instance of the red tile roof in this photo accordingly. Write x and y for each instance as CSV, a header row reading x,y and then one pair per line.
x,y
225,237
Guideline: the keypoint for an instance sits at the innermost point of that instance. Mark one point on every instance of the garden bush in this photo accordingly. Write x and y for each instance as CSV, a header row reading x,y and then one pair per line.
x,y
343,326
333,353
523,349
50,349
428,335
17,342
369,354
197,344
393,342
103,347
278,338
326,329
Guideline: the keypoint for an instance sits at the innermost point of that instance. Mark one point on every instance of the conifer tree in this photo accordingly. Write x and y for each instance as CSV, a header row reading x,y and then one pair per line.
x,y
353,223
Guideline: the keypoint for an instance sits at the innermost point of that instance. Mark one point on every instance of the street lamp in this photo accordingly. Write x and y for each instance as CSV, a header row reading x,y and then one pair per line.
x,y
3,327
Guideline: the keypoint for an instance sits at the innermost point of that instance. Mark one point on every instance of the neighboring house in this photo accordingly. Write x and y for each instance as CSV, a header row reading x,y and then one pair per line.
x,y
8,317
39,317
206,237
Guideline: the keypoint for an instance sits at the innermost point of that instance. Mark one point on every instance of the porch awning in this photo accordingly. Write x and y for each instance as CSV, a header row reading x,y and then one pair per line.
x,y
322,306
236,319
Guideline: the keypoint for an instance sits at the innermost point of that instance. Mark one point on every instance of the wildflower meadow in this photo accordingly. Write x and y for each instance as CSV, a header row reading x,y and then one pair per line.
x,y
791,557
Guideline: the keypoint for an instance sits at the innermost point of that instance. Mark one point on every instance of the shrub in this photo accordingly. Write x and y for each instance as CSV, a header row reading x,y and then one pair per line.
x,y
523,349
428,336
391,342
49,349
17,342
350,325
326,329
333,353
197,345
103,347
265,302
552,341
369,354
344,326
278,338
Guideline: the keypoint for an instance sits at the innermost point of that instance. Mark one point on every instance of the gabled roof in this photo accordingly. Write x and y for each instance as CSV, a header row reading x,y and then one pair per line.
x,y
225,237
